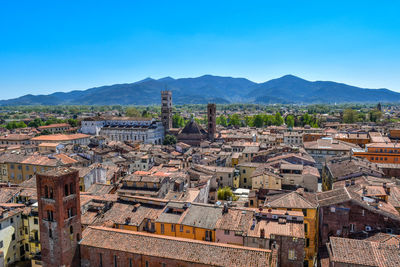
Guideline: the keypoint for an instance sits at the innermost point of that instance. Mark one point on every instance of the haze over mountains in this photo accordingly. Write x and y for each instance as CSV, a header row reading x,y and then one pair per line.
x,y
287,89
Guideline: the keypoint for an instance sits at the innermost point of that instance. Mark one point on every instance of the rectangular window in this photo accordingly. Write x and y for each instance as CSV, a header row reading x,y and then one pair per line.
x,y
101,259
307,242
291,254
130,263
50,215
69,213
13,237
162,228
181,228
35,221
226,232
115,261
1,244
305,228
305,212
172,228
66,190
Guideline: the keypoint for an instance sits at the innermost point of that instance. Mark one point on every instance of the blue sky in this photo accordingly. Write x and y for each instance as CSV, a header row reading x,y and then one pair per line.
x,y
48,46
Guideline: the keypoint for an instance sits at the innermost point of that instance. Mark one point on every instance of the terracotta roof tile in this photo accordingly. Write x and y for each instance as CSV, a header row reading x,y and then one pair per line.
x,y
200,252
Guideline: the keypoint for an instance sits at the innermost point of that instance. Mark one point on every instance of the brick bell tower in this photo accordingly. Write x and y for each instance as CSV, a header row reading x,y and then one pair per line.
x,y
212,121
166,109
59,216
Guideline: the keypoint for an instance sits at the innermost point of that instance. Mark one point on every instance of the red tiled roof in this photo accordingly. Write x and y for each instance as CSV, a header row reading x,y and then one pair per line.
x,y
182,249
60,137
55,125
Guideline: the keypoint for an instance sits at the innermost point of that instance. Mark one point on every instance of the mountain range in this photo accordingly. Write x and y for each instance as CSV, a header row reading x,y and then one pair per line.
x,y
223,90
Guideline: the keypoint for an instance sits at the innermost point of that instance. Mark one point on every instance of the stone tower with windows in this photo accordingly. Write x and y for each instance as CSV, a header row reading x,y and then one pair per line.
x,y
166,109
59,216
212,121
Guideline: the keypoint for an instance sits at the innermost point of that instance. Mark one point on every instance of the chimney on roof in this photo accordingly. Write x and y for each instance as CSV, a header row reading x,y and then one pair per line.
x,y
387,188
225,208
364,190
262,233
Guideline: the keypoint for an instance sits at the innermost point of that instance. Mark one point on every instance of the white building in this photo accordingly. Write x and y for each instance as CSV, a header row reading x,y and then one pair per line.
x,y
146,130
293,138
11,235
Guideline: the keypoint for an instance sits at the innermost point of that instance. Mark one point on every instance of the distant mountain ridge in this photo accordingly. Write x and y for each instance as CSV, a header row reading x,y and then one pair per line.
x,y
207,88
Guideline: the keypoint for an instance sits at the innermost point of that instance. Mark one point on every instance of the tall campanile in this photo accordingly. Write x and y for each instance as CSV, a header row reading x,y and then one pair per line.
x,y
212,121
166,109
59,216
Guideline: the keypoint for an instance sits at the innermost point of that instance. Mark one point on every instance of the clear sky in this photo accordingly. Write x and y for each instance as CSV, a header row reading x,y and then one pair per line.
x,y
48,46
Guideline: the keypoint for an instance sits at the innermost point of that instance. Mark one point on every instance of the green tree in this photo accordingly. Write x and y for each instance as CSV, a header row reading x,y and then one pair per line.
x,y
15,124
258,121
278,120
73,122
35,123
374,115
226,193
234,120
268,120
132,112
249,121
178,121
290,121
169,140
350,115
145,114
221,120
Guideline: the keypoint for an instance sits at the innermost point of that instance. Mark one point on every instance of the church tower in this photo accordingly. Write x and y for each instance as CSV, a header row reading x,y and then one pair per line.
x,y
212,121
59,216
166,109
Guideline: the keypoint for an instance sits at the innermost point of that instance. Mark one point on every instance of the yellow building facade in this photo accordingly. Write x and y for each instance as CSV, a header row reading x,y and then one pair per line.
x,y
310,212
246,170
185,231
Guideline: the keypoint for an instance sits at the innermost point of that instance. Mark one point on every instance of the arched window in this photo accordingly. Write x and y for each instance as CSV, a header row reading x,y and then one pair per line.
x,y
51,193
46,191
50,216
71,188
